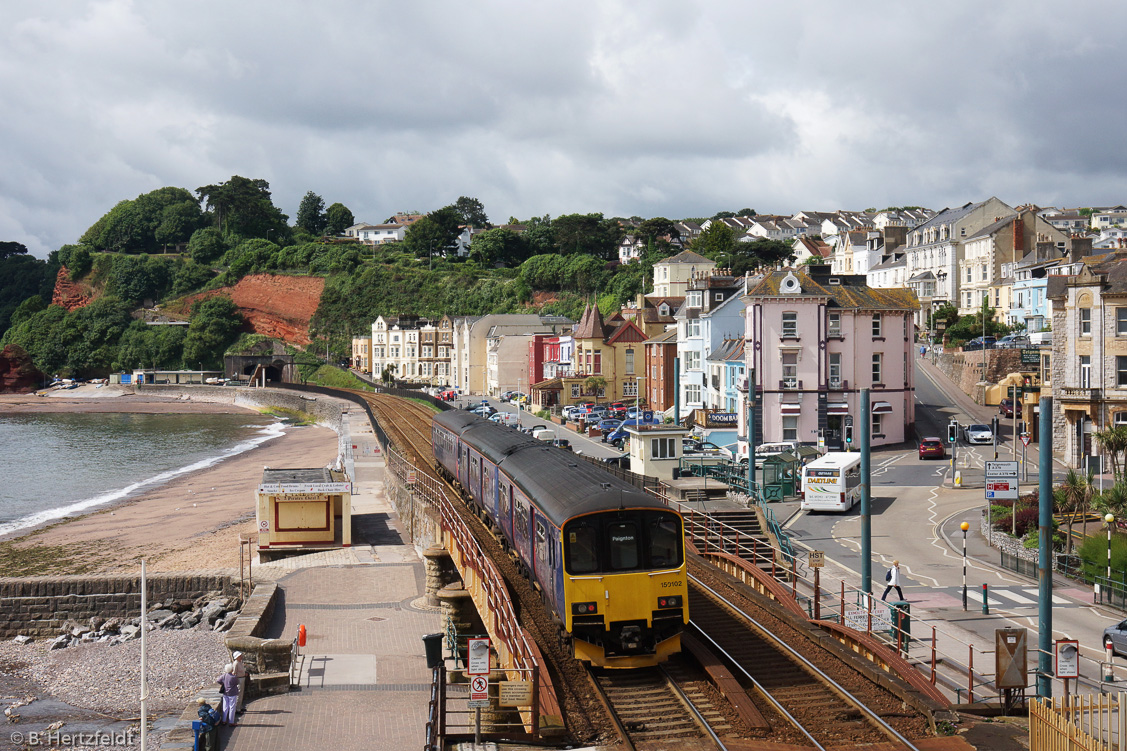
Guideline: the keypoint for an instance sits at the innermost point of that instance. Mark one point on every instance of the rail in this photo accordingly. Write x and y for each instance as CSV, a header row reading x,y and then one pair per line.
x,y
766,633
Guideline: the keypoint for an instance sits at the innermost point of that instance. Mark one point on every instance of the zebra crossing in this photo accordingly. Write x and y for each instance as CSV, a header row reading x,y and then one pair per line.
x,y
1009,597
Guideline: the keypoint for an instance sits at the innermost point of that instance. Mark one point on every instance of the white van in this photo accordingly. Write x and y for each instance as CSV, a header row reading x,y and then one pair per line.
x,y
1037,338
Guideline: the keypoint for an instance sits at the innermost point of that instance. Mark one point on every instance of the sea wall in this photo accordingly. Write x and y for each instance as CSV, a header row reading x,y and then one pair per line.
x,y
327,410
43,605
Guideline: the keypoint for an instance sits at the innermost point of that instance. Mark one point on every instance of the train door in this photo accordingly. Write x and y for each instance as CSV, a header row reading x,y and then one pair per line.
x,y
542,570
505,506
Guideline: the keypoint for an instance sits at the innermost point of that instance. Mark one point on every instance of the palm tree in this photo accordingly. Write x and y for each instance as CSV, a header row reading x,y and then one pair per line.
x,y
592,384
1113,500
1113,442
1077,492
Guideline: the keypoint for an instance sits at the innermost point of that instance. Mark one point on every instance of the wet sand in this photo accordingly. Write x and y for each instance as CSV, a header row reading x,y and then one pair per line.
x,y
191,523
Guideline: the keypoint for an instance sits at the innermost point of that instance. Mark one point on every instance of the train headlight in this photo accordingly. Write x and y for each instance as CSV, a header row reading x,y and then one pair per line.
x,y
669,601
584,608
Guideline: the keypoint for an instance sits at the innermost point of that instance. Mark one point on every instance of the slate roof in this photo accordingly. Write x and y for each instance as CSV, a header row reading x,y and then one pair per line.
x,y
668,337
852,292
686,256
591,325
728,351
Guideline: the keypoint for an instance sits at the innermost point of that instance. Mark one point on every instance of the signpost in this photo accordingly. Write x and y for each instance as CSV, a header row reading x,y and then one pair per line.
x,y
816,560
1001,481
477,667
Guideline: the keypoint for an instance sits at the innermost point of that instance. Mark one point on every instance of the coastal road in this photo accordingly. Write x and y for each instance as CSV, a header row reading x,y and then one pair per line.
x,y
580,443
915,519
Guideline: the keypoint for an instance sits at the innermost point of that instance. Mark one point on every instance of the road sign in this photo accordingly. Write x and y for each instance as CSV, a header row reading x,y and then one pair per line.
x,y
1026,438
1001,470
478,661
817,559
1001,490
479,687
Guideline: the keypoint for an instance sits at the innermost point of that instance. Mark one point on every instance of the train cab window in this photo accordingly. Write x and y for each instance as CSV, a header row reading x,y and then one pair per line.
x,y
582,549
665,541
623,538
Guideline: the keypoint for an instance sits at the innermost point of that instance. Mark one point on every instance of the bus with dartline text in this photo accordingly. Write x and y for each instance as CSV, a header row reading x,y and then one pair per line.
x,y
832,482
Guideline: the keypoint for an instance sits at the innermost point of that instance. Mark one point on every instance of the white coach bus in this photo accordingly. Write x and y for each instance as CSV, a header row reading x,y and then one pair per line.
x,y
832,482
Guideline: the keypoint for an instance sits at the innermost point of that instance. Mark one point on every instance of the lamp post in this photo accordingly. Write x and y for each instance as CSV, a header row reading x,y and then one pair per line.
x,y
964,526
1108,521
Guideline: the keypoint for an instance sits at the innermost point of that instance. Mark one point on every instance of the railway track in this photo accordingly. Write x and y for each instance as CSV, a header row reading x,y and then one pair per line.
x,y
650,706
654,708
824,710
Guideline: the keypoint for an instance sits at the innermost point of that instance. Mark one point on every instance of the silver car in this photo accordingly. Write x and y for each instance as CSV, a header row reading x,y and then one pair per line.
x,y
1116,637
978,434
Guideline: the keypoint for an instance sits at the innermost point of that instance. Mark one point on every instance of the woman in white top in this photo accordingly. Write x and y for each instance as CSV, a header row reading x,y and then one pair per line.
x,y
893,580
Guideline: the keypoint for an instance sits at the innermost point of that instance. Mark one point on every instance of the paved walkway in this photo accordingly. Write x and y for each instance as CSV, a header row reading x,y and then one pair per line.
x,y
364,681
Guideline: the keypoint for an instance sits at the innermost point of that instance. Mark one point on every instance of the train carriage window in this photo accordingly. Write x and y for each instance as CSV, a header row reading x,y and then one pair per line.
x,y
623,537
665,541
582,549
541,533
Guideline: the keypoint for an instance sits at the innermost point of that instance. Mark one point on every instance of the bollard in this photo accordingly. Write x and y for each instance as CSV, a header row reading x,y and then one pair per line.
x,y
1109,675
985,604
958,479
301,635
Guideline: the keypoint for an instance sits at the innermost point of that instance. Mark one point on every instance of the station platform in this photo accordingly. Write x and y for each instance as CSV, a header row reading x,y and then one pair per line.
x,y
364,681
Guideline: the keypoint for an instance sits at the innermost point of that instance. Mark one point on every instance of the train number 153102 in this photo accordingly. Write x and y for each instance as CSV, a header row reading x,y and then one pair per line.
x,y
677,583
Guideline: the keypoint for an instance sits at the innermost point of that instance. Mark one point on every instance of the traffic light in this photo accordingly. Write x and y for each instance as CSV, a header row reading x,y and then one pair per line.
x,y
849,434
952,431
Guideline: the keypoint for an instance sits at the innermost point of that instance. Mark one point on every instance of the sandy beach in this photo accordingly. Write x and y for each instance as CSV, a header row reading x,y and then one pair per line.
x,y
191,523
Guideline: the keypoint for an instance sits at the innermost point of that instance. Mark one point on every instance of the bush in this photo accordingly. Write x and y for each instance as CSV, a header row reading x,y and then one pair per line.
x,y
1026,520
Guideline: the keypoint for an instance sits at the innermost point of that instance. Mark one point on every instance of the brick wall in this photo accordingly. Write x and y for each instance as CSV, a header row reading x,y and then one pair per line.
x,y
42,605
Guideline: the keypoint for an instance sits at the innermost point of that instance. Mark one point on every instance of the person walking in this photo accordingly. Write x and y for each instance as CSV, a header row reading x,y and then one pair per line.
x,y
229,687
241,674
893,579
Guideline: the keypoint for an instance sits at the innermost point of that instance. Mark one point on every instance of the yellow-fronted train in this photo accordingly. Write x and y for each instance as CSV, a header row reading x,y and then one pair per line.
x,y
608,558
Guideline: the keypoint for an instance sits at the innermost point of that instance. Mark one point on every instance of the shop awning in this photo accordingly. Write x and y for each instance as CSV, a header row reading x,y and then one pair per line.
x,y
881,408
790,409
837,408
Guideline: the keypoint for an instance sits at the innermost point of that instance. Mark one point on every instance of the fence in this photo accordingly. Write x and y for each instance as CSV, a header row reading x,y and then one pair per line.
x,y
1078,723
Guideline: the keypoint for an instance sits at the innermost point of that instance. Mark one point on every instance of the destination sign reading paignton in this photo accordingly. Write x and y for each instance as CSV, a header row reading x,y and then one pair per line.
x,y
306,487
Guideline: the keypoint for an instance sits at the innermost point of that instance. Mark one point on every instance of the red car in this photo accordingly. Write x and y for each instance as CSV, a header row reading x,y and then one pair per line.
x,y
932,446
1006,407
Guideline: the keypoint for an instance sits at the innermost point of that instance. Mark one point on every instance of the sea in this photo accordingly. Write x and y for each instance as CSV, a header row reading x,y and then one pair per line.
x,y
58,465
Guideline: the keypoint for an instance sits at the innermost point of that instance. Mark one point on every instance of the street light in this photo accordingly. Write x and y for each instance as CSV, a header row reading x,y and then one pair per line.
x,y
964,526
1108,520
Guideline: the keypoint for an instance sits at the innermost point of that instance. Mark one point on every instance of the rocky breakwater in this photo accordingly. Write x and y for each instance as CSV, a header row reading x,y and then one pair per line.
x,y
212,611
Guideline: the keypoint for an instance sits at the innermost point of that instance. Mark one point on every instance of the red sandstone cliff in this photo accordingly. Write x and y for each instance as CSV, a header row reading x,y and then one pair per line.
x,y
276,306
70,295
17,373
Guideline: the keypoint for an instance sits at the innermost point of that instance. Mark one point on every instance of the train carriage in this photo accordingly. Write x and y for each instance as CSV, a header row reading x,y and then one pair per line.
x,y
608,558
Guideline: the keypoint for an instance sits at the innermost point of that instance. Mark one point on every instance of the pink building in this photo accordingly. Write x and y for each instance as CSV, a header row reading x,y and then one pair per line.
x,y
814,340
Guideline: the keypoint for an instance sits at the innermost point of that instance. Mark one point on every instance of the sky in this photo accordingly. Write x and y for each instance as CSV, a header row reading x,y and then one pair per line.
x,y
675,109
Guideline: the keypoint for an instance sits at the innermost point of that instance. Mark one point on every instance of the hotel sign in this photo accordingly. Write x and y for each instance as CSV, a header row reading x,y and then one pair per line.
x,y
722,418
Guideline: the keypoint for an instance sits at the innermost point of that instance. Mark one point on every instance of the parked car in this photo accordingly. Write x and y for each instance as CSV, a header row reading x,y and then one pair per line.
x,y
1015,340
609,425
1116,638
541,431
978,434
575,411
980,342
562,443
507,418
931,446
616,410
529,429
694,446
1038,338
772,449
1006,407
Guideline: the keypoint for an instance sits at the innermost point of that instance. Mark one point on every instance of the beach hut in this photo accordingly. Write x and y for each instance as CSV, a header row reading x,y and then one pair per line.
x,y
303,510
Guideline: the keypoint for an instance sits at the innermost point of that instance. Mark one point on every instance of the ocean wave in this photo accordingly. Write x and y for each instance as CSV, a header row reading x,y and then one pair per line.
x,y
267,433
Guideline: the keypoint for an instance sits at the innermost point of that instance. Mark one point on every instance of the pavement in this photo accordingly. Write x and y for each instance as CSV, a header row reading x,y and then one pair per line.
x,y
916,519
363,679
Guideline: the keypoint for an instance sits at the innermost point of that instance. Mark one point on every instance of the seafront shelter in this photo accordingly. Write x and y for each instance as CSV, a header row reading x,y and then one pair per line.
x,y
303,510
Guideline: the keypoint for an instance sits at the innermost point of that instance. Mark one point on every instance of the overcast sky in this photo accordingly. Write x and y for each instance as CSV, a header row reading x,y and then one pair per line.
x,y
653,108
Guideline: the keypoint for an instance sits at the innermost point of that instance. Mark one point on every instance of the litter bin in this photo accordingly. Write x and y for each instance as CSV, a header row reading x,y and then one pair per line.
x,y
433,644
900,614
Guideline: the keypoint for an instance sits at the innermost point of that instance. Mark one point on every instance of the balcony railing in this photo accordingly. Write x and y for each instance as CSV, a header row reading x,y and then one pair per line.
x,y
790,384
1079,394
839,384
